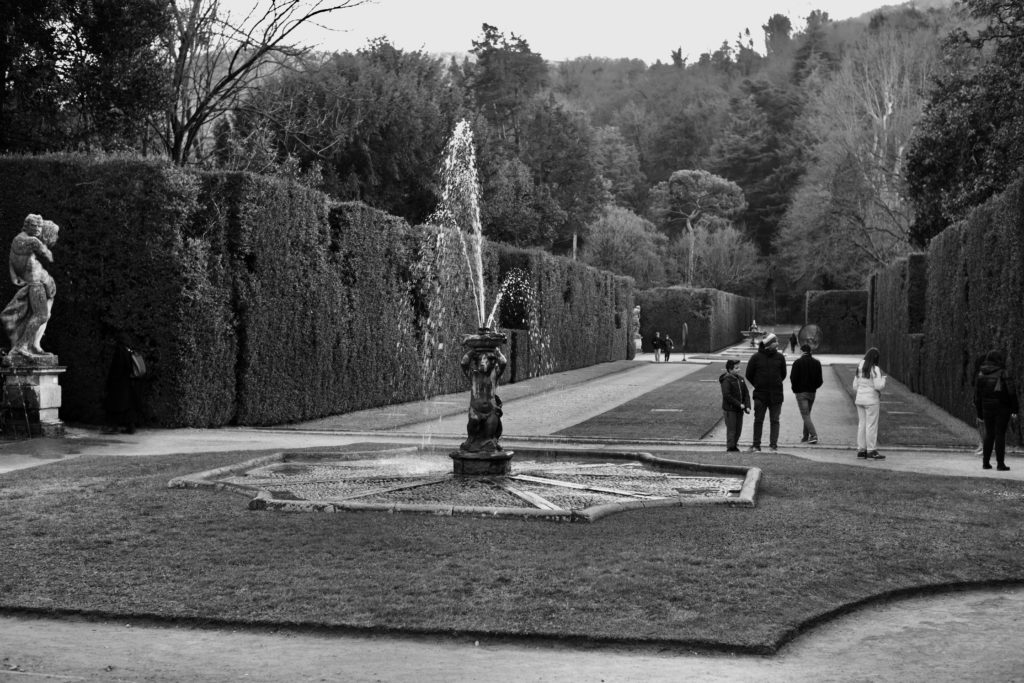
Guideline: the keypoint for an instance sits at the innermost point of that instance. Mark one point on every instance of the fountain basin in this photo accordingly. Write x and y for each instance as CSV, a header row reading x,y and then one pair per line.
x,y
546,484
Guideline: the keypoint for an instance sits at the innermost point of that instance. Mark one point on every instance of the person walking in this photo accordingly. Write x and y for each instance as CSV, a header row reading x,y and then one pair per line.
x,y
995,400
868,383
765,371
735,403
793,341
805,378
657,344
666,343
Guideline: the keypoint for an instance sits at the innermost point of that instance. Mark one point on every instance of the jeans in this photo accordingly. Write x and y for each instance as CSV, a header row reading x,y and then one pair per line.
x,y
995,435
805,401
774,411
867,427
733,427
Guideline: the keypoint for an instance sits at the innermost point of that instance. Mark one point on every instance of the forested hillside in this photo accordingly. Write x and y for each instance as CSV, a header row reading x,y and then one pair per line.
x,y
785,160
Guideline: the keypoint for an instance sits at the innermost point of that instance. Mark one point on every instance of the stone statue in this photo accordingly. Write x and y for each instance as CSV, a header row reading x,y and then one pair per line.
x,y
27,314
483,366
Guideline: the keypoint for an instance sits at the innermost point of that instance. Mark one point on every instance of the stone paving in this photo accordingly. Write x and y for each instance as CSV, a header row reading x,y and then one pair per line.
x,y
972,635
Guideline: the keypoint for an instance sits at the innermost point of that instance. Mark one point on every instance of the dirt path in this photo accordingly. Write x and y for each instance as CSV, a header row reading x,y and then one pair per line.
x,y
960,636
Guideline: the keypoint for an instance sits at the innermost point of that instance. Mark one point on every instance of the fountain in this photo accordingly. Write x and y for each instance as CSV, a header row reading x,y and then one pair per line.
x,y
483,363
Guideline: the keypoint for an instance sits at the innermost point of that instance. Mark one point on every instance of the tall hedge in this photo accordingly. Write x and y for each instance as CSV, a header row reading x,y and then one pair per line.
x,y
714,319
896,314
257,301
974,295
842,317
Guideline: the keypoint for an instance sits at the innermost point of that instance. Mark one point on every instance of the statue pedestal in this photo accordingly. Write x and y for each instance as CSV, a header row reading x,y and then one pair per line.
x,y
32,395
493,463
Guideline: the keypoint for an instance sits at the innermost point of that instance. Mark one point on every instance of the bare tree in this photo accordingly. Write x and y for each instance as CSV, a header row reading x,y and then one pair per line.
x,y
215,60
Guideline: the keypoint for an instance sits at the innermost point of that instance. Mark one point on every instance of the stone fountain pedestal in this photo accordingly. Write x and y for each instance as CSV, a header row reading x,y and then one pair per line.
x,y
31,396
481,453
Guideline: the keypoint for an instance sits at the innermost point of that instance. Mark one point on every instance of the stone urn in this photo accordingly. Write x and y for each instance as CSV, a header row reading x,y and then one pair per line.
x,y
483,364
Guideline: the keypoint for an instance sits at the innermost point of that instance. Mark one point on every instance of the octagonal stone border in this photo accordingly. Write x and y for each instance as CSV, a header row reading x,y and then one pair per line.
x,y
262,499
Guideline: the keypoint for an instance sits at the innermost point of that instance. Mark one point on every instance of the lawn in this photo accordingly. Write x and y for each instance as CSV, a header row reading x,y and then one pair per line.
x,y
106,535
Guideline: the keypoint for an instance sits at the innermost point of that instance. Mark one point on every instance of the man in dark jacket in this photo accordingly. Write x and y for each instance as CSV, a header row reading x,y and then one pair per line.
x,y
735,402
805,378
765,370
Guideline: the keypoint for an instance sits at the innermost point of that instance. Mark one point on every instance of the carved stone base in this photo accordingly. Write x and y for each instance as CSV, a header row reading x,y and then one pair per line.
x,y
489,463
31,398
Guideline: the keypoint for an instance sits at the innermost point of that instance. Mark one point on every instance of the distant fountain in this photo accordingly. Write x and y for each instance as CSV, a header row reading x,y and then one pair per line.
x,y
483,363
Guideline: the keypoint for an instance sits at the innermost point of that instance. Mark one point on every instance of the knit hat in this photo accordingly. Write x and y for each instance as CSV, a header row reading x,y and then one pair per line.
x,y
730,364
770,338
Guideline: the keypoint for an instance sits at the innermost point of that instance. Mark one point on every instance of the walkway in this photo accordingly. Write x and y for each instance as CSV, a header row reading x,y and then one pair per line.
x,y
974,635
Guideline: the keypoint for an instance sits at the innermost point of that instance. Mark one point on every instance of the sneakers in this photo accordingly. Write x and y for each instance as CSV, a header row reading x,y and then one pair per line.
x,y
813,439
862,454
875,455
754,449
1003,468
773,449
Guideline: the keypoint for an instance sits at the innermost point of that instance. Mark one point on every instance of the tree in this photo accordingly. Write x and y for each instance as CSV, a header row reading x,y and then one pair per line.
x,y
506,76
812,51
376,121
691,198
777,34
215,60
969,144
726,260
858,127
618,162
79,74
625,243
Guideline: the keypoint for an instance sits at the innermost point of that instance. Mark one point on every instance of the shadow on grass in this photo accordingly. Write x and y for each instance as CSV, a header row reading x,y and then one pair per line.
x,y
106,536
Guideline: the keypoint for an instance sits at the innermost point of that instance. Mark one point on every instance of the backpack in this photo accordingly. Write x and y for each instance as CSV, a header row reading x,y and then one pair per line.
x,y
138,370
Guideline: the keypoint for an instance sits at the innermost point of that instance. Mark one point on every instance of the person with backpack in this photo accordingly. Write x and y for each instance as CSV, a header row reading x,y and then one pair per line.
x,y
122,389
995,401
735,403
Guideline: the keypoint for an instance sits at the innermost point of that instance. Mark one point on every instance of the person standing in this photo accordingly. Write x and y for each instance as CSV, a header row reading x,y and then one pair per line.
x,y
735,403
805,378
995,400
657,344
868,383
668,345
793,341
122,396
765,371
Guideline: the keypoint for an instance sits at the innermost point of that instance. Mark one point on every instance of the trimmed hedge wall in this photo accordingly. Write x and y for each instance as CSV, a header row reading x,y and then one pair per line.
x,y
974,295
256,301
714,319
896,314
842,317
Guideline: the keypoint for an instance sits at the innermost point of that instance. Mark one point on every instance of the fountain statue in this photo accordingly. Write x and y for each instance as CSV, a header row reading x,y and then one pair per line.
x,y
26,315
483,363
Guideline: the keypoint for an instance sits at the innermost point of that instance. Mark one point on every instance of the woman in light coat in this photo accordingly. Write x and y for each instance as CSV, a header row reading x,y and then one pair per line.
x,y
868,384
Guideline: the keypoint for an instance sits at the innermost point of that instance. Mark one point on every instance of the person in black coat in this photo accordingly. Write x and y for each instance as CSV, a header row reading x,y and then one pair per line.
x,y
805,378
765,371
122,391
995,401
735,402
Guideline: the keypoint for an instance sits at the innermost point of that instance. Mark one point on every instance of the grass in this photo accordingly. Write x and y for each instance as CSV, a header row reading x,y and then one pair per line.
x,y
105,535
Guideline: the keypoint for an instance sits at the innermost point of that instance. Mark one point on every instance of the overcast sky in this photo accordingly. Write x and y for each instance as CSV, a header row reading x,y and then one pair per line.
x,y
563,29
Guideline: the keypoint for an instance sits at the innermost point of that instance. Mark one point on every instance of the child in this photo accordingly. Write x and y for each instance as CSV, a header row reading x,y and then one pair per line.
x,y
735,402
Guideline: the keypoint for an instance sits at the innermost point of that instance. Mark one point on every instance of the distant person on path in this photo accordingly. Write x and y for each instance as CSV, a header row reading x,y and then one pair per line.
x,y
657,344
868,384
995,400
793,341
668,345
682,342
765,371
805,378
735,402
122,396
